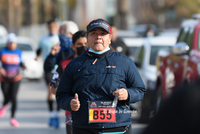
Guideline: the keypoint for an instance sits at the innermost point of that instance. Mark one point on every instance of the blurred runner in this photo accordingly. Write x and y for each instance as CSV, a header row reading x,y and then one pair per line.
x,y
79,41
10,76
149,32
45,45
118,44
67,29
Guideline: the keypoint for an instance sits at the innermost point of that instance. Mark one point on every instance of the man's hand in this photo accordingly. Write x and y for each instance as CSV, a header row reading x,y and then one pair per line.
x,y
55,49
122,94
75,103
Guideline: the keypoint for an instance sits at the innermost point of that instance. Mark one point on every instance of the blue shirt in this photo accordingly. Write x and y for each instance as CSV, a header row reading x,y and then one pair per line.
x,y
47,42
11,60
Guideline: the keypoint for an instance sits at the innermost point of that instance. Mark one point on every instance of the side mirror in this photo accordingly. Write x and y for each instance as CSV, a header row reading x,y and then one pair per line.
x,y
180,48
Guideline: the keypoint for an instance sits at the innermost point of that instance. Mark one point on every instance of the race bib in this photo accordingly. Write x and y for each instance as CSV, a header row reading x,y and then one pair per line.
x,y
101,112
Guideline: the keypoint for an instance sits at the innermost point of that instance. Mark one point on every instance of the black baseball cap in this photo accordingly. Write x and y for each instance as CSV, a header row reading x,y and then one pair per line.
x,y
99,23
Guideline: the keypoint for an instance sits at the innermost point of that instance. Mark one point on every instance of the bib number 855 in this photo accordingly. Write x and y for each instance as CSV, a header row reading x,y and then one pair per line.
x,y
102,115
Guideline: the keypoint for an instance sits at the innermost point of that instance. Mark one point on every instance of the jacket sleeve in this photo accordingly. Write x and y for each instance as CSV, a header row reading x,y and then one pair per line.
x,y
64,92
135,86
49,63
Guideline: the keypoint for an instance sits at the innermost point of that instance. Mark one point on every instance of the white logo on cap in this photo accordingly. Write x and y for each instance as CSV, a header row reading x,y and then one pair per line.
x,y
99,23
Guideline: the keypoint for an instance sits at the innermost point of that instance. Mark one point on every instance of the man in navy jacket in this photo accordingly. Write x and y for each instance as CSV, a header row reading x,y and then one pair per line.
x,y
98,86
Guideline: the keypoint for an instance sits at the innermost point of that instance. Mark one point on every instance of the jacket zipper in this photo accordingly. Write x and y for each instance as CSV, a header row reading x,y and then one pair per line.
x,y
97,77
94,61
127,106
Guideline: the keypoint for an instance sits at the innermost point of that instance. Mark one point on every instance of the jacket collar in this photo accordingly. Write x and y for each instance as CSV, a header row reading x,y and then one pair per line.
x,y
93,55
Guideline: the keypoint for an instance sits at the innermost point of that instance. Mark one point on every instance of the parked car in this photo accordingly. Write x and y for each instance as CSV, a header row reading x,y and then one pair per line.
x,y
182,65
35,68
134,45
169,32
146,59
3,31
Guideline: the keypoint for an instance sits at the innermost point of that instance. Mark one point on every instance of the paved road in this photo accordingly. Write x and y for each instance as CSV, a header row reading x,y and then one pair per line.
x,y
32,112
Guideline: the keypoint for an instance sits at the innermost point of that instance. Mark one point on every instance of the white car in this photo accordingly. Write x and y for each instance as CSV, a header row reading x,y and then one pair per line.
x,y
146,64
134,45
3,32
146,57
169,32
34,68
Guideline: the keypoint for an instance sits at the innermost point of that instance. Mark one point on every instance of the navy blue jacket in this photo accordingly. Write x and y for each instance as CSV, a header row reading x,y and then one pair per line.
x,y
52,60
97,81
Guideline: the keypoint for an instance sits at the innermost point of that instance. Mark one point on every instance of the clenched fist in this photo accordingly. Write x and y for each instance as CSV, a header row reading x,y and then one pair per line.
x,y
75,103
122,94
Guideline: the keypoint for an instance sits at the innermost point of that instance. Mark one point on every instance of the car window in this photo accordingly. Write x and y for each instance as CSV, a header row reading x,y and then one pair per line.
x,y
134,50
189,38
141,55
24,47
183,34
154,51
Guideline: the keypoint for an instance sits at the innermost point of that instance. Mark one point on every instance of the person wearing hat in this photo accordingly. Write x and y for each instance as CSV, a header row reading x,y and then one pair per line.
x,y
118,44
98,86
10,76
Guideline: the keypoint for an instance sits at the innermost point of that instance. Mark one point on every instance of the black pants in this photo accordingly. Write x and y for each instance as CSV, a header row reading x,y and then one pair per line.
x,y
69,129
10,90
100,131
48,77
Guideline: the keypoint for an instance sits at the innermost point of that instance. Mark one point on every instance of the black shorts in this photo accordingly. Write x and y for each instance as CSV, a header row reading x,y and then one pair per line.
x,y
48,77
